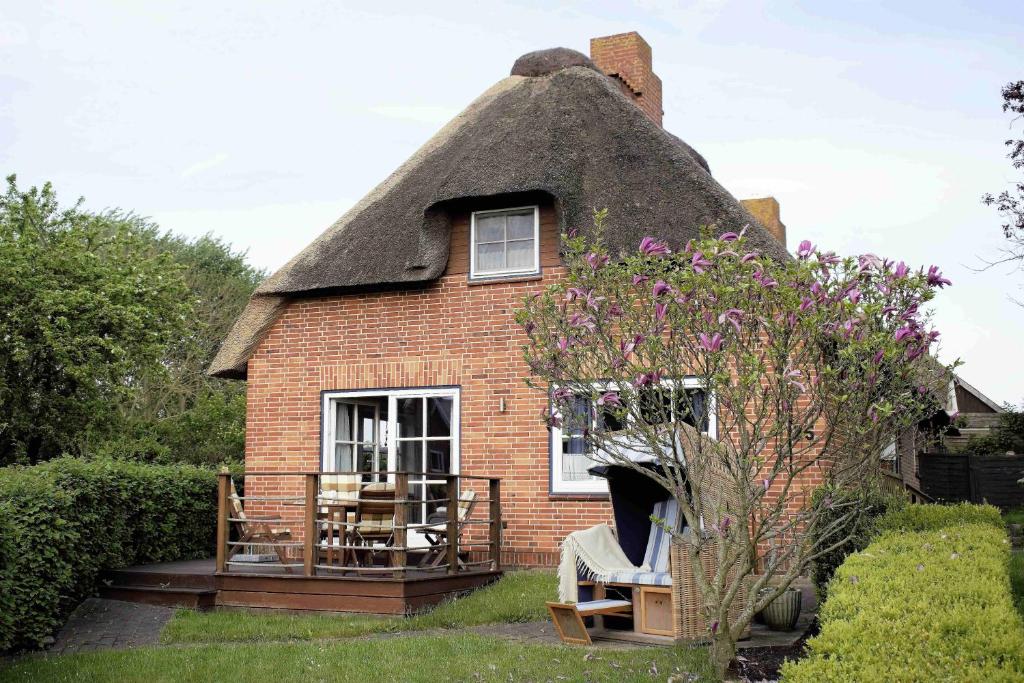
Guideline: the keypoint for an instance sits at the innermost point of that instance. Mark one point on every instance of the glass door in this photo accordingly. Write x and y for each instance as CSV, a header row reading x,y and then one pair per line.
x,y
360,439
424,437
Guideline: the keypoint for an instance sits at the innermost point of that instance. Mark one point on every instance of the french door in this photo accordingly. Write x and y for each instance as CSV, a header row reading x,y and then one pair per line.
x,y
408,430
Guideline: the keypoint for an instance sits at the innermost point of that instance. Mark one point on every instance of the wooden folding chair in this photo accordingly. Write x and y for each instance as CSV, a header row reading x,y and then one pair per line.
x,y
336,514
375,519
437,534
257,530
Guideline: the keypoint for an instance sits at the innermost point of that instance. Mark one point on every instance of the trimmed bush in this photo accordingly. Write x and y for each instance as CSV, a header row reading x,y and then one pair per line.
x,y
64,521
933,517
920,606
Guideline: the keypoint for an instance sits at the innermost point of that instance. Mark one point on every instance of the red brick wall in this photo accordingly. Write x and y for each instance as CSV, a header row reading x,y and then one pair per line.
x,y
627,57
450,333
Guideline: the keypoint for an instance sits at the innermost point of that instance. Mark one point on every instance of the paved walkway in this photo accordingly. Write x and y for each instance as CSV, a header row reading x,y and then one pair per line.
x,y
110,624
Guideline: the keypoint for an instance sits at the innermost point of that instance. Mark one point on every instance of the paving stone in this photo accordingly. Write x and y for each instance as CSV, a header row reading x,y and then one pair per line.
x,y
99,624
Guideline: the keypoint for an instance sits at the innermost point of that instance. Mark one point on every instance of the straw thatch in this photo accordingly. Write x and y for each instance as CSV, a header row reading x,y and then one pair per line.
x,y
559,127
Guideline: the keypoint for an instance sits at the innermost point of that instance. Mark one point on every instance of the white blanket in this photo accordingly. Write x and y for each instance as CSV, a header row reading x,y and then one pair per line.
x,y
595,554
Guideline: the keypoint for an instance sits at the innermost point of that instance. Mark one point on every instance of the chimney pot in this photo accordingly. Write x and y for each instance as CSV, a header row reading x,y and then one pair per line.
x,y
626,57
766,211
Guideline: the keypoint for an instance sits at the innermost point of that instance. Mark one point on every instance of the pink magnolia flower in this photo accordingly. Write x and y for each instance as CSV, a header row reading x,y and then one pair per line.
x,y
854,296
594,302
749,256
574,293
563,344
805,250
699,263
765,280
869,262
660,310
615,310
901,271
878,357
529,327
733,316
597,261
806,303
829,258
579,319
728,237
639,279
627,347
713,343
561,394
935,278
793,377
903,333
661,287
609,398
652,247
646,379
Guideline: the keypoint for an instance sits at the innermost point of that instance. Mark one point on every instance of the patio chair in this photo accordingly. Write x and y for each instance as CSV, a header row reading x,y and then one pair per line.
x,y
257,530
374,519
437,533
336,514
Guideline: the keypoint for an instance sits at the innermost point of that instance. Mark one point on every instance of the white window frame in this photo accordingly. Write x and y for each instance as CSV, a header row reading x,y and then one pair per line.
x,y
533,270
329,424
599,485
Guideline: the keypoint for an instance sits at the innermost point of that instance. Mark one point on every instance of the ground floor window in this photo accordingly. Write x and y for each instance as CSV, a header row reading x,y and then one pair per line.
x,y
572,454
377,432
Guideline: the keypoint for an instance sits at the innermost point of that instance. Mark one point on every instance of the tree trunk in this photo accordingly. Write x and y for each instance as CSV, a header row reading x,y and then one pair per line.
x,y
723,651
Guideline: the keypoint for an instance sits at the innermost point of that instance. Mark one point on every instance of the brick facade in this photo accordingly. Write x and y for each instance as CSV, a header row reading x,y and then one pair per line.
x,y
451,332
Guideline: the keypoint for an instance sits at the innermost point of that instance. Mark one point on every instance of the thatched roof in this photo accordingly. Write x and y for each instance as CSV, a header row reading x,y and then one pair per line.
x,y
564,129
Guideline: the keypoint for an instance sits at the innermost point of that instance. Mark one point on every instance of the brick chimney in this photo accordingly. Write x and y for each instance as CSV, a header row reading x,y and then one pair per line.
x,y
626,57
766,211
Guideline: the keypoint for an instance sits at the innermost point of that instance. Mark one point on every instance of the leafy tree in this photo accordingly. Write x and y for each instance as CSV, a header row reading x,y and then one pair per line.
x,y
1010,203
87,310
813,365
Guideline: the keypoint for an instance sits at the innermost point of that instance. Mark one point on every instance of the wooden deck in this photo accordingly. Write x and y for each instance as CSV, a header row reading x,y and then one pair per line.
x,y
197,584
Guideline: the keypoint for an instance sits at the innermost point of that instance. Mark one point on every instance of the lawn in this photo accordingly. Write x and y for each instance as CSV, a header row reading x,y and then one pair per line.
x,y
449,657
517,597
1014,516
1017,579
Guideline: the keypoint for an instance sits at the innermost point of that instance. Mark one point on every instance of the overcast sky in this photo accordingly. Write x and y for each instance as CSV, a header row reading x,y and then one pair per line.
x,y
877,129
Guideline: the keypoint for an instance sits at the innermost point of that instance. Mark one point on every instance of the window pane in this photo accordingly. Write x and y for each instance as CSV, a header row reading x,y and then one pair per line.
x,y
520,255
439,416
410,418
415,510
343,425
574,467
655,405
410,456
490,228
439,457
367,430
365,457
490,257
520,226
436,492
343,457
692,408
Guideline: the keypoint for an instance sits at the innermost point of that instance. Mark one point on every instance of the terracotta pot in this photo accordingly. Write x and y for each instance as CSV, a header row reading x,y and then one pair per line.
x,y
782,613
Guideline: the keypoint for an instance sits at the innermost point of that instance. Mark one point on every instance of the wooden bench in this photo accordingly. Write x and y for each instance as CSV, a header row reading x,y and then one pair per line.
x,y
568,618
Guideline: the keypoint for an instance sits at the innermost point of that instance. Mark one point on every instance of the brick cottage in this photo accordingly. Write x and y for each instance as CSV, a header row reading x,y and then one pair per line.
x,y
389,342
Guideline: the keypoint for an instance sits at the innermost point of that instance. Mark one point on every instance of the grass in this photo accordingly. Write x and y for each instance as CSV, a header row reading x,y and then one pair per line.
x,y
517,597
1017,579
1014,516
450,657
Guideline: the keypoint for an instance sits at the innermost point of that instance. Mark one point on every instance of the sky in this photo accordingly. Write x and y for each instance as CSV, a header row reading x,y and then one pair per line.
x,y
876,128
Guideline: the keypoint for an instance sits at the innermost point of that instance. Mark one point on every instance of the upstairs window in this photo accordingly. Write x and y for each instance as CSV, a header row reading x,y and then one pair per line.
x,y
504,243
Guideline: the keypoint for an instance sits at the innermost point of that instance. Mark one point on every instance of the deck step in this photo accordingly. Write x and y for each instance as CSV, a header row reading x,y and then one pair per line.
x,y
129,577
194,598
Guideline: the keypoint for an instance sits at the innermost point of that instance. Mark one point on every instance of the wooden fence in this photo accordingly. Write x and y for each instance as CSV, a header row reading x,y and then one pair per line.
x,y
974,478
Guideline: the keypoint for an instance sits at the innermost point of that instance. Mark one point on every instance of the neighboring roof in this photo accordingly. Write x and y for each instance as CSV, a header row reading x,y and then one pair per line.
x,y
977,394
566,130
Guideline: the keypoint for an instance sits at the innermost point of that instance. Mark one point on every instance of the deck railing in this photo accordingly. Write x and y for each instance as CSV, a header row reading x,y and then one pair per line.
x,y
287,523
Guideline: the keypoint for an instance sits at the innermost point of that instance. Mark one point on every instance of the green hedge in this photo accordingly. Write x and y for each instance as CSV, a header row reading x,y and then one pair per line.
x,y
934,517
64,521
921,605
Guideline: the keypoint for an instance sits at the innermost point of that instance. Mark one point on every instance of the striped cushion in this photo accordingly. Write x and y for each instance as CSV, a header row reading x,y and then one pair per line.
x,y
642,578
659,541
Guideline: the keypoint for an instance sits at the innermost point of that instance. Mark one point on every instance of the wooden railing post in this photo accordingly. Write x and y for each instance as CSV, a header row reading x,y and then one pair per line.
x,y
494,496
401,520
310,534
453,523
223,526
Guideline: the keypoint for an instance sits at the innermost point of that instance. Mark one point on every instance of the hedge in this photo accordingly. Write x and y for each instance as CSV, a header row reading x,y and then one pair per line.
x,y
64,521
931,603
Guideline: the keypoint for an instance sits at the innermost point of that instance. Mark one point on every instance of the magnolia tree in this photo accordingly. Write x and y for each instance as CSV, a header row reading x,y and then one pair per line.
x,y
739,382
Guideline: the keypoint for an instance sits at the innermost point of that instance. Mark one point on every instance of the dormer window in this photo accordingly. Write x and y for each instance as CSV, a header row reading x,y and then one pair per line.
x,y
504,243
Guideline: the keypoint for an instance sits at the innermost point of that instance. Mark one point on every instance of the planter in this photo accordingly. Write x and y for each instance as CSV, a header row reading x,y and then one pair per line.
x,y
782,613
